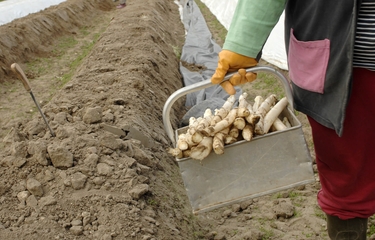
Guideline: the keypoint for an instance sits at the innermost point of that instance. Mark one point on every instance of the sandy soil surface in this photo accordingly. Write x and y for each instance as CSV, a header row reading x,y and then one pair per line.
x,y
86,183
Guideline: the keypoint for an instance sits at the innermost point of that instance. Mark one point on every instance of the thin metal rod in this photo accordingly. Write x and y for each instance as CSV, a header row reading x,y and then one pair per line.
x,y
41,113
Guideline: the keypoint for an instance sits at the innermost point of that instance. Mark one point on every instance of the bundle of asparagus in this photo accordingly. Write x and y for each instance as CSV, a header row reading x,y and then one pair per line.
x,y
229,124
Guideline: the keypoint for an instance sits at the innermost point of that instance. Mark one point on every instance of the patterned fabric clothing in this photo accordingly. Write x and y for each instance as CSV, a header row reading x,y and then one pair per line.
x,y
364,48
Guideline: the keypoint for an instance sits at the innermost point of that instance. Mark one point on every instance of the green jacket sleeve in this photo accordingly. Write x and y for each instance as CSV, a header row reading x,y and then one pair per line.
x,y
252,22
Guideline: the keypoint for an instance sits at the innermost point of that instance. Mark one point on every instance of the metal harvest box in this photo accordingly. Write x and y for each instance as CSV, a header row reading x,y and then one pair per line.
x,y
269,163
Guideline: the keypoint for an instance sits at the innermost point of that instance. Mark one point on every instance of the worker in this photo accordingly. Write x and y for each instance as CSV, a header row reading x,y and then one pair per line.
x,y
330,48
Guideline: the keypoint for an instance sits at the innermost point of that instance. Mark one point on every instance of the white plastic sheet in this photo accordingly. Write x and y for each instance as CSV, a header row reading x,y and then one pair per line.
x,y
13,9
274,49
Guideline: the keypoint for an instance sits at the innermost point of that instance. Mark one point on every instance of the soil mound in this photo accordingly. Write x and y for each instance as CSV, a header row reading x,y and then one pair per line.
x,y
87,183
32,36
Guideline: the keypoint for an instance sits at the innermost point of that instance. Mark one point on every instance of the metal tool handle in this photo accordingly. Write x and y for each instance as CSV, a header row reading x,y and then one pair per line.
x,y
207,83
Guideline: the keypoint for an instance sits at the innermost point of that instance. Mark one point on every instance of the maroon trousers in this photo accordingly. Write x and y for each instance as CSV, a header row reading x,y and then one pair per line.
x,y
346,164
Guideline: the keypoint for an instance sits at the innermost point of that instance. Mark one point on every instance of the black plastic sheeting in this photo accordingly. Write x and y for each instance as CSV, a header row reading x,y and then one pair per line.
x,y
200,49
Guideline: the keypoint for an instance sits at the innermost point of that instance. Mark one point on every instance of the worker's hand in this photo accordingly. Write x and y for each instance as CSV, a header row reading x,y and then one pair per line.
x,y
230,62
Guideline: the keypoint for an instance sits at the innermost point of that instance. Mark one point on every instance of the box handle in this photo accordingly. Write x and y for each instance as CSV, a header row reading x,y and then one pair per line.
x,y
207,83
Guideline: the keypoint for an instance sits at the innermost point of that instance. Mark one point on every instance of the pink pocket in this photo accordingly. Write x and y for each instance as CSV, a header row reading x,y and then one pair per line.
x,y
308,63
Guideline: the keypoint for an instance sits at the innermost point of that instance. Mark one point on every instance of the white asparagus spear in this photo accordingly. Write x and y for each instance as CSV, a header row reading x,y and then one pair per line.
x,y
242,106
202,150
182,142
257,101
224,110
274,113
218,143
286,122
206,120
262,111
279,125
248,132
239,122
226,122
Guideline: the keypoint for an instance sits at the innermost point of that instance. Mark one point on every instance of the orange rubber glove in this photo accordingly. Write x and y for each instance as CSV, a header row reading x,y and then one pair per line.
x,y
230,62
